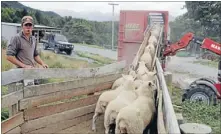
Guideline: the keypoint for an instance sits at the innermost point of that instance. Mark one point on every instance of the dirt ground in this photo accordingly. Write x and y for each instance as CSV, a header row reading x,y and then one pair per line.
x,y
185,71
85,128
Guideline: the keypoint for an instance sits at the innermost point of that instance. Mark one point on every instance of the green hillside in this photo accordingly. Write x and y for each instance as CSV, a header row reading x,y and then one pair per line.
x,y
76,30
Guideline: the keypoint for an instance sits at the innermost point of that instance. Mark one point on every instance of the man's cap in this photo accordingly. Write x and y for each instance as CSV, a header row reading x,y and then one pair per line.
x,y
27,19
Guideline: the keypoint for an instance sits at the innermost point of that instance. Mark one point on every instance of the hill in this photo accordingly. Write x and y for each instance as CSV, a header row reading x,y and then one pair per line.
x,y
77,30
17,5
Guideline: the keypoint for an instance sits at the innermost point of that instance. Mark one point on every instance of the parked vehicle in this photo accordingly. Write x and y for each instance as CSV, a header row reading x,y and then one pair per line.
x,y
57,42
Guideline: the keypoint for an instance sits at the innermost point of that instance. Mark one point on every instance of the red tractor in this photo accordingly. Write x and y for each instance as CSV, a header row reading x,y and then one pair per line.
x,y
203,89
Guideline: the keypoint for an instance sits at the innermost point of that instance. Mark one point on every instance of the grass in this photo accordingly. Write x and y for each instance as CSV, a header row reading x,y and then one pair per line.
x,y
6,65
60,61
4,90
196,112
95,57
207,63
94,46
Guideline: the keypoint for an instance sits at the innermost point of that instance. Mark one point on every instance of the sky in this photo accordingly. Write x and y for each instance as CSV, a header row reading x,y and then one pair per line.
x,y
174,8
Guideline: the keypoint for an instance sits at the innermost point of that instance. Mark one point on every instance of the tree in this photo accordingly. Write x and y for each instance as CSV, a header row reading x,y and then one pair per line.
x,y
208,13
24,12
38,17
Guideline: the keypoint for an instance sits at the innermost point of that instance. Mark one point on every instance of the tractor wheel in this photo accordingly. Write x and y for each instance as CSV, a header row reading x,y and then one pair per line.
x,y
200,93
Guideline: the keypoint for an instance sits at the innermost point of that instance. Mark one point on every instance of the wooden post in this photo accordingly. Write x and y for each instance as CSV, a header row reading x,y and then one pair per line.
x,y
12,88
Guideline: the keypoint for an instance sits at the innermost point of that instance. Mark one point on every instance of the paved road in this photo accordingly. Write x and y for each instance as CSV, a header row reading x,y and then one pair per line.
x,y
185,71
102,52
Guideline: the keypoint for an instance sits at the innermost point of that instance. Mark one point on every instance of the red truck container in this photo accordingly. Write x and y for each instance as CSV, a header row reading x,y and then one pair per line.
x,y
132,26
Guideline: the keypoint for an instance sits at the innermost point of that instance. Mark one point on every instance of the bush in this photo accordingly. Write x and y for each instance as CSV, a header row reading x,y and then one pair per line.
x,y
4,44
4,114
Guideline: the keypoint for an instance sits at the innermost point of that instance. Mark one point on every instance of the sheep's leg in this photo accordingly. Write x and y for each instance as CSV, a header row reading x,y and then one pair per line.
x,y
106,126
117,130
106,122
94,121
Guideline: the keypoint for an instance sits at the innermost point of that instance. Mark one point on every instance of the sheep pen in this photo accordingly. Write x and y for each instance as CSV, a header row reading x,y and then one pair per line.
x,y
143,73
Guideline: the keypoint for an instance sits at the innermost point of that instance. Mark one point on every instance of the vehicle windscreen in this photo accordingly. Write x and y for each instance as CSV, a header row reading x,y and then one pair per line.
x,y
60,38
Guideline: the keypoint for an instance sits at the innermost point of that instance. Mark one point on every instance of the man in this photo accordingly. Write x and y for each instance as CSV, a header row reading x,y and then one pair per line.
x,y
21,50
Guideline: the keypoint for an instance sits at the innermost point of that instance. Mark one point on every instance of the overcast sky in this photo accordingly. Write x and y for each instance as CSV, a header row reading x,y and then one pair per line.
x,y
174,8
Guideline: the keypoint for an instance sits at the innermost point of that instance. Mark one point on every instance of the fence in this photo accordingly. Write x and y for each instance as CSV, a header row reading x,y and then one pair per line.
x,y
52,107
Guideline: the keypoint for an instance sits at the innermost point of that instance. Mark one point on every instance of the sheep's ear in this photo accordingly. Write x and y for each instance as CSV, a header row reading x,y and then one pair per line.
x,y
134,78
150,83
124,76
146,71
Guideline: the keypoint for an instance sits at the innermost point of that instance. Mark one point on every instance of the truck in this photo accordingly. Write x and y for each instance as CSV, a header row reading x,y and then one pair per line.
x,y
132,26
57,42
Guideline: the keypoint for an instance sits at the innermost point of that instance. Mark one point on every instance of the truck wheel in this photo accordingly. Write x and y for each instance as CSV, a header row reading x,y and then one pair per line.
x,y
69,52
56,50
200,93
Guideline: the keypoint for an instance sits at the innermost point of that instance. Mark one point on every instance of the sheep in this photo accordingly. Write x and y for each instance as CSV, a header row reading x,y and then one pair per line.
x,y
127,96
120,80
138,83
136,116
150,47
133,73
155,33
105,98
142,69
149,76
152,40
147,58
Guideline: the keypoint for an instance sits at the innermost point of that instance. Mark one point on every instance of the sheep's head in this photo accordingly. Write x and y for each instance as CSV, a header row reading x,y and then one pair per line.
x,y
138,83
128,77
149,76
133,73
147,49
129,85
147,89
142,63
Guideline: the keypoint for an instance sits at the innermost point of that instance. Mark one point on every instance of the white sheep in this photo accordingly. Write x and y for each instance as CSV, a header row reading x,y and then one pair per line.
x,y
155,33
147,58
126,97
152,40
105,98
152,49
142,69
148,76
133,73
136,116
120,80
138,83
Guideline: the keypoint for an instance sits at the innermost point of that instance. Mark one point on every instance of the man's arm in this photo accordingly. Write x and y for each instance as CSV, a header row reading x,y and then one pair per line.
x,y
13,60
38,59
12,50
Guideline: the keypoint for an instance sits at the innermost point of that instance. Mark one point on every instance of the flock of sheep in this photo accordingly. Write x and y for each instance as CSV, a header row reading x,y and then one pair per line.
x,y
130,105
